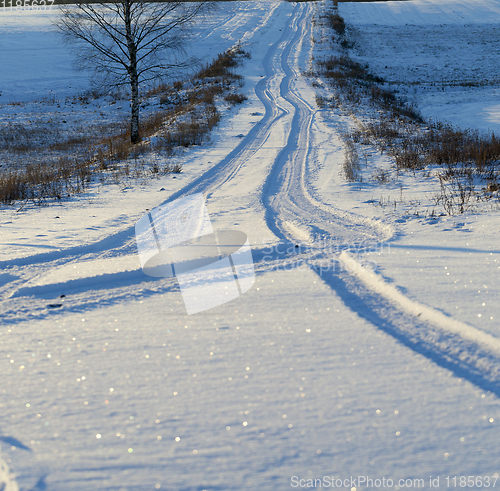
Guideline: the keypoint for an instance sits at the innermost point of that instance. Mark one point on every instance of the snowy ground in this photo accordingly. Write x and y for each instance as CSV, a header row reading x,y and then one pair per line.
x,y
322,369
442,55
431,52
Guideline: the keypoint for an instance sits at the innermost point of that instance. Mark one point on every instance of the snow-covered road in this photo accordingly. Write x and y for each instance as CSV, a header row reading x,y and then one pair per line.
x,y
313,373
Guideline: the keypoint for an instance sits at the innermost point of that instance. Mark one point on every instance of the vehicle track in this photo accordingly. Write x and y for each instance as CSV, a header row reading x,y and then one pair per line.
x,y
286,195
123,242
293,212
291,207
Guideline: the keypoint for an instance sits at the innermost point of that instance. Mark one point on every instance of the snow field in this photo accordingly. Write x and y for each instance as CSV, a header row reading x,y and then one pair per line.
x,y
449,263
115,387
444,56
241,399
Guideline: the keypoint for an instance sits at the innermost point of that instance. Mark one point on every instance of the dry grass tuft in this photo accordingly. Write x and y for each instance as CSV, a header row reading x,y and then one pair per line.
x,y
235,98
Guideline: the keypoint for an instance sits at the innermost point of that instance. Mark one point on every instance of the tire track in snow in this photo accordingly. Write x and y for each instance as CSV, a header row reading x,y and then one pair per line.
x,y
290,205
123,241
228,167
292,211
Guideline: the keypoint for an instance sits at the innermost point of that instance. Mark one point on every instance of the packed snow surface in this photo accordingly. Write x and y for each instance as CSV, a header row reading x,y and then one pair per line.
x,y
325,369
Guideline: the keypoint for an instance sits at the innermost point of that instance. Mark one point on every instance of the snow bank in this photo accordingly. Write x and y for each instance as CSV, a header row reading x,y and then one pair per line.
x,y
424,312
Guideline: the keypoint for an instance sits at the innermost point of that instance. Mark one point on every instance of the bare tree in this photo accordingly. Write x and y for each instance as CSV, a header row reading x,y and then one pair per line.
x,y
130,42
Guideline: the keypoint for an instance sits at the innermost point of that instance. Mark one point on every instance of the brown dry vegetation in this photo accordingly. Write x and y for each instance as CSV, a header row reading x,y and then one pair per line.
x,y
462,159
190,114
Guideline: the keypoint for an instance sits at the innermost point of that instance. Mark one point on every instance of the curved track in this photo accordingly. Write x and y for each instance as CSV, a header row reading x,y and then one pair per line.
x,y
290,209
310,342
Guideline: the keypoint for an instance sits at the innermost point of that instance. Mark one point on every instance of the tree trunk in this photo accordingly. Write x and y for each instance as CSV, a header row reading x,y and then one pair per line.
x,y
134,117
132,72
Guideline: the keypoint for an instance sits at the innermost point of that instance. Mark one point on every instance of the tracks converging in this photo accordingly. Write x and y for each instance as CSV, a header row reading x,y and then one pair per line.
x,y
292,211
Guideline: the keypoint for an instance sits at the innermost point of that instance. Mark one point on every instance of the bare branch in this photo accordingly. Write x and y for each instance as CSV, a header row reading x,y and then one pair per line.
x,y
130,41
